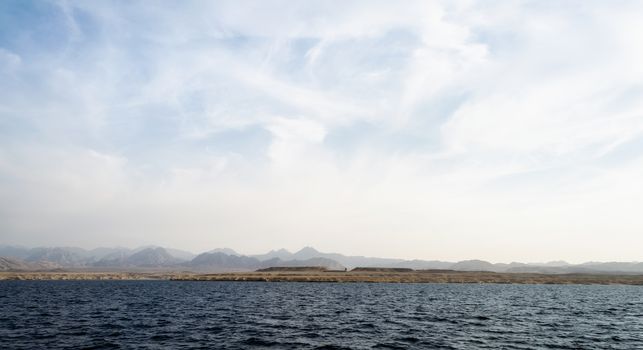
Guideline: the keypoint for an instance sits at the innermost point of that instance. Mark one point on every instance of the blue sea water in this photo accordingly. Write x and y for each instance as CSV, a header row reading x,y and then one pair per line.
x,y
243,315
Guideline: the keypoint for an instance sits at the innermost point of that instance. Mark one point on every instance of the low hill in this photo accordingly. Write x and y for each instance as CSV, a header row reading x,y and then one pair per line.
x,y
317,262
381,269
223,262
473,265
293,268
423,264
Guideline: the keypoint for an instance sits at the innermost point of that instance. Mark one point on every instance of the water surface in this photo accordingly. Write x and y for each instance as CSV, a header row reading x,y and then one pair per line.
x,y
233,315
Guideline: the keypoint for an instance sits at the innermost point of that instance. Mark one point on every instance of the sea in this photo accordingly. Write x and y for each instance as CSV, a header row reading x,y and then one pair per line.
x,y
288,315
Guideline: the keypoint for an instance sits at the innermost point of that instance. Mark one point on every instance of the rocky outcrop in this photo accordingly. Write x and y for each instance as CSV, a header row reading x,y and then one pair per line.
x,y
9,264
13,264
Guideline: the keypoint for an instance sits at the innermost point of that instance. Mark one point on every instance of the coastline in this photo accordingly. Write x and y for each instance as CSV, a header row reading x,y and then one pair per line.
x,y
335,277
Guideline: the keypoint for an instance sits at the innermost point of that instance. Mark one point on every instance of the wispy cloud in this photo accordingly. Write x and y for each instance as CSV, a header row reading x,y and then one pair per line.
x,y
418,129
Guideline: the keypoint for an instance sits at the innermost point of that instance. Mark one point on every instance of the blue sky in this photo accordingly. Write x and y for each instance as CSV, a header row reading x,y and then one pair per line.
x,y
435,130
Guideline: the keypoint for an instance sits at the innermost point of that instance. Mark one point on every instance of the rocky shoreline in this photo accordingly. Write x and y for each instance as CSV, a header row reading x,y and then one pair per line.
x,y
438,276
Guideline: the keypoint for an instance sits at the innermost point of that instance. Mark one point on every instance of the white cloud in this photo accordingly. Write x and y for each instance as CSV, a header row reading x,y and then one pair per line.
x,y
423,129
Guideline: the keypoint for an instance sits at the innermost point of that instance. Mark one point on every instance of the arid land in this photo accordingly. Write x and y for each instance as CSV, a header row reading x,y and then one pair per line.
x,y
372,276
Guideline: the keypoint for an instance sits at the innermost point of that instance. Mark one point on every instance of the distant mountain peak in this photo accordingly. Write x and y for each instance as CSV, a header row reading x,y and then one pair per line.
x,y
307,251
151,257
281,250
226,259
227,251
280,253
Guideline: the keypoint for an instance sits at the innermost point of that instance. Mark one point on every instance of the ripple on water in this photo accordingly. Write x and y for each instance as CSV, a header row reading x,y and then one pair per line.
x,y
155,314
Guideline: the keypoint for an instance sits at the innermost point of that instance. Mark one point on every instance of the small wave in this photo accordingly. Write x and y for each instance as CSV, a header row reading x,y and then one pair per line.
x,y
254,341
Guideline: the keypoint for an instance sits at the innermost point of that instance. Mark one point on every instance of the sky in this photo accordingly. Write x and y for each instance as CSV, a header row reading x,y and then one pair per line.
x,y
497,130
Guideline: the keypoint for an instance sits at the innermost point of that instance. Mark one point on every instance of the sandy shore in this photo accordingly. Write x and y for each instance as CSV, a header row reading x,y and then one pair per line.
x,y
318,276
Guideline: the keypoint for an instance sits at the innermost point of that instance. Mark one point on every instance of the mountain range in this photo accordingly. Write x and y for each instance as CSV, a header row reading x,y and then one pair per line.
x,y
228,260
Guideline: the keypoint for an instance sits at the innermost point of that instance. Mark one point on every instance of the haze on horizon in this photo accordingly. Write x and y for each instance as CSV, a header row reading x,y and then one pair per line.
x,y
504,131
